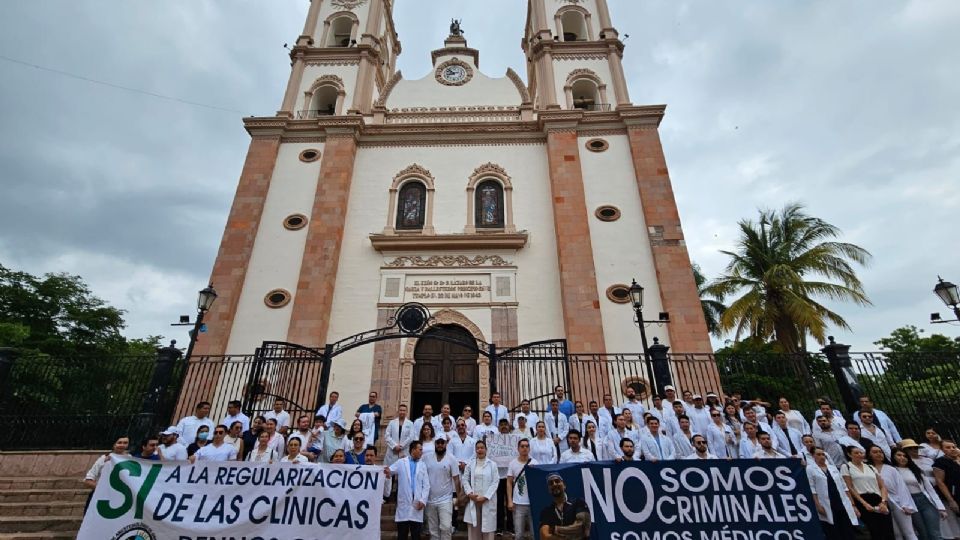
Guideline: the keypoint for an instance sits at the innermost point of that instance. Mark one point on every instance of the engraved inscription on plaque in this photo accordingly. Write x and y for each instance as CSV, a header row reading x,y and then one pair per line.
x,y
463,288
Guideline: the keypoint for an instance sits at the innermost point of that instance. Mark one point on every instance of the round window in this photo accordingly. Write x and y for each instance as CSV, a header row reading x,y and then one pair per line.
x,y
309,155
277,298
597,145
619,293
607,213
295,222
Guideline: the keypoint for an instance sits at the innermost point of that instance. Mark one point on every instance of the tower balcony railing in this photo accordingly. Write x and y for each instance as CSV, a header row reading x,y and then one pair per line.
x,y
310,114
594,107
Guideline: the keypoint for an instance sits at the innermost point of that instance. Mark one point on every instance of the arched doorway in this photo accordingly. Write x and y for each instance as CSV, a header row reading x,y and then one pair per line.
x,y
445,372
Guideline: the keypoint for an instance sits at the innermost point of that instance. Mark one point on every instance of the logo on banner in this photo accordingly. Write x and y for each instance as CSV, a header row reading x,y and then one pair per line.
x,y
136,531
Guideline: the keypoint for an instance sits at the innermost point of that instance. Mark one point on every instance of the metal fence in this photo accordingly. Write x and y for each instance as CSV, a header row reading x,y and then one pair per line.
x,y
917,391
80,403
77,403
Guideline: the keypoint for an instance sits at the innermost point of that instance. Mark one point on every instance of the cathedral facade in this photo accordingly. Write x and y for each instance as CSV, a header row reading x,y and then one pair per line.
x,y
515,207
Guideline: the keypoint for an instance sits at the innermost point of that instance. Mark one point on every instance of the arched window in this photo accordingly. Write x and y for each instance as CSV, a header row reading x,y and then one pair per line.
x,y
585,90
574,26
586,96
340,33
489,205
411,206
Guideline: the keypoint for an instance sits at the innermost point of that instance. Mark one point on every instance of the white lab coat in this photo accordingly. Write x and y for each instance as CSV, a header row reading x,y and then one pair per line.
x,y
393,437
407,495
482,480
651,451
818,486
369,422
580,424
721,441
557,426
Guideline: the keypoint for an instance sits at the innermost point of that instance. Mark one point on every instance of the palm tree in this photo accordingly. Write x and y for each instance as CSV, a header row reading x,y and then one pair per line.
x,y
713,308
782,264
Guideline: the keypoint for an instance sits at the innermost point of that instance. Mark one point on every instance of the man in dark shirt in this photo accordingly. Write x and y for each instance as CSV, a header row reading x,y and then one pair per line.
x,y
148,448
371,406
563,519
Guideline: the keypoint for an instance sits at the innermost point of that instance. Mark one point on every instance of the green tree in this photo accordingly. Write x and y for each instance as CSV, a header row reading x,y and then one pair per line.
x,y
781,266
908,340
917,377
57,314
713,308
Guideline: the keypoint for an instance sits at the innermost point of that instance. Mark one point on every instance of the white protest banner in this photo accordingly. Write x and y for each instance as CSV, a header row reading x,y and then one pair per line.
x,y
502,448
152,500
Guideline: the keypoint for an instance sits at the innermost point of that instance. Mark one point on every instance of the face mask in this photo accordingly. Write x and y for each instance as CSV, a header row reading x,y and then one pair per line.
x,y
203,436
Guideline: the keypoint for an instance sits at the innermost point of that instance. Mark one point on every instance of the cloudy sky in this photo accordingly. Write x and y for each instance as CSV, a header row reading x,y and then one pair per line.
x,y
848,107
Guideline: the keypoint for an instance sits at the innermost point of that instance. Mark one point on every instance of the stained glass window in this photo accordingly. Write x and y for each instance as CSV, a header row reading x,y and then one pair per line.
x,y
411,206
489,204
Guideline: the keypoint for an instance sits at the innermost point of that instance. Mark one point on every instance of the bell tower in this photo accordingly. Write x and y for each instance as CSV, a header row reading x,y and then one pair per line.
x,y
574,56
342,60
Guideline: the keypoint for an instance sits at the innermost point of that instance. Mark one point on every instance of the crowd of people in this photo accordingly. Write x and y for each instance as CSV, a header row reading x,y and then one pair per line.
x,y
861,470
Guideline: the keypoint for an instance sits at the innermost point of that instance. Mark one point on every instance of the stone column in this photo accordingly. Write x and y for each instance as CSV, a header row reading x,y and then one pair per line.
x,y
582,322
230,267
606,24
310,26
619,79
293,87
313,301
549,82
678,291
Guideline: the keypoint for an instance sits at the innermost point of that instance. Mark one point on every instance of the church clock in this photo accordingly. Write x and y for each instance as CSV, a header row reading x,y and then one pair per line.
x,y
454,73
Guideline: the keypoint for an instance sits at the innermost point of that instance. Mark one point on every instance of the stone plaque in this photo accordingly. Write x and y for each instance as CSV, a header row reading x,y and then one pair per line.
x,y
447,289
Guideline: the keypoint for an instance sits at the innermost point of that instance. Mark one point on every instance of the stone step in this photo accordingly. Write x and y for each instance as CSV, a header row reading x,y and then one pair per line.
x,y
44,495
49,508
8,483
34,524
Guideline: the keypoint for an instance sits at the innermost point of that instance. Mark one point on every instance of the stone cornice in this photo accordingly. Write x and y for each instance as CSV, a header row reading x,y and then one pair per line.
x,y
456,51
448,242
317,55
575,49
435,128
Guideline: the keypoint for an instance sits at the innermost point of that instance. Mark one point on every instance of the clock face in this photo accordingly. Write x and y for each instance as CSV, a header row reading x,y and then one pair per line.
x,y
454,73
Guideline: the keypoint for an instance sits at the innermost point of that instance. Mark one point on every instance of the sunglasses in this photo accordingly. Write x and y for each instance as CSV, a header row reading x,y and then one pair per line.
x,y
699,443
358,439
219,432
715,415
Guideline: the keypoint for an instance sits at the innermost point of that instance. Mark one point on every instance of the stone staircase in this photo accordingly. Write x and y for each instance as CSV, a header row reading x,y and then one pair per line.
x,y
41,507
388,527
42,495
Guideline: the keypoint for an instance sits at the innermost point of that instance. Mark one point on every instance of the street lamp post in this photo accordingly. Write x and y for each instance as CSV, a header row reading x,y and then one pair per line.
x,y
949,293
205,299
636,297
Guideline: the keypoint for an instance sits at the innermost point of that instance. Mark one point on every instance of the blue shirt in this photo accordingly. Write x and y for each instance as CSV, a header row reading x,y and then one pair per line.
x,y
567,408
413,477
358,460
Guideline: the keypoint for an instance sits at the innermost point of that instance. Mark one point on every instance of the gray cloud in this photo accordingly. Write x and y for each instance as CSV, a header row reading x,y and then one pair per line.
x,y
847,107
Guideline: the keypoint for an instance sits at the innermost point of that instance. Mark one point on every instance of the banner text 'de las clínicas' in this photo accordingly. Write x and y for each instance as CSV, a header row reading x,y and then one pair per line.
x,y
153,500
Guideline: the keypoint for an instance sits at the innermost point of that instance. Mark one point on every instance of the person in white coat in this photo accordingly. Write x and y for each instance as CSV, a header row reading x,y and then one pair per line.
x,y
701,451
749,443
930,509
656,446
831,498
542,447
720,437
398,437
901,504
413,491
480,481
557,425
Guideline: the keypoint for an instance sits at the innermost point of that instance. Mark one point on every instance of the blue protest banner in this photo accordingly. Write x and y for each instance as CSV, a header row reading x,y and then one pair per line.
x,y
674,500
